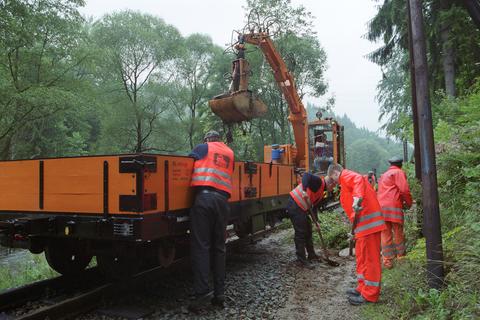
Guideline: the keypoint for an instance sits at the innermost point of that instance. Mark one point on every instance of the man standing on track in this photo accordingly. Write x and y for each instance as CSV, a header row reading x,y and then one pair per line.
x,y
212,180
393,196
359,202
302,199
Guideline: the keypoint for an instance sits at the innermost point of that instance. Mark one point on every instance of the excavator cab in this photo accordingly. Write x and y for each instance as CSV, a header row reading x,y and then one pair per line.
x,y
325,145
238,104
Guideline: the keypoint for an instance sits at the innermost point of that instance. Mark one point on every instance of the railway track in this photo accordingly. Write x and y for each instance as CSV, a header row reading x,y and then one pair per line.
x,y
71,304
77,298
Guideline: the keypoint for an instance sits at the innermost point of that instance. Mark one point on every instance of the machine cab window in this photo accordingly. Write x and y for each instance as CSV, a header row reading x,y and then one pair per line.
x,y
325,135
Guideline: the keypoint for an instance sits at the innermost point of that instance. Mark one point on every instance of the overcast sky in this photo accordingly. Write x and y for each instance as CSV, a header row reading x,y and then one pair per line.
x,y
340,26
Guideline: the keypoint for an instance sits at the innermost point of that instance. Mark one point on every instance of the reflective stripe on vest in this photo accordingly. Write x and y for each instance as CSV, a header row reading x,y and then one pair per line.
x,y
371,283
393,214
388,254
392,209
389,251
312,198
369,216
212,179
212,170
370,225
302,203
400,248
390,247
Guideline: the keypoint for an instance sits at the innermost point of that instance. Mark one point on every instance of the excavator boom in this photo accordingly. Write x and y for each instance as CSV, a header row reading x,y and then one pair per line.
x,y
240,104
285,81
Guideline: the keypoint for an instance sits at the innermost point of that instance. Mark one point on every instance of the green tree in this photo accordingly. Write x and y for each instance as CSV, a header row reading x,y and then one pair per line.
x,y
194,83
296,42
40,74
136,53
365,154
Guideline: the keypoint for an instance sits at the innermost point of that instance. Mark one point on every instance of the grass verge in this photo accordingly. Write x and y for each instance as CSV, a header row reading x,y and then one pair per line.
x,y
32,267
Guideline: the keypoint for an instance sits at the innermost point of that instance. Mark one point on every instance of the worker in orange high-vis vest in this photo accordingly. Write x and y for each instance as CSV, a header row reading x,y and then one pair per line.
x,y
393,196
360,203
304,197
212,180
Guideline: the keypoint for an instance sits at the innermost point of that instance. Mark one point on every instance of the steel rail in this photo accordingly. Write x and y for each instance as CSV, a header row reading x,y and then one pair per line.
x,y
91,298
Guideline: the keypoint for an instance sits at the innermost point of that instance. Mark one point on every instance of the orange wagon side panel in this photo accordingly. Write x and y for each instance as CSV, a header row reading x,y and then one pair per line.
x,y
155,183
237,171
76,184
247,182
269,180
180,195
286,179
19,186
118,184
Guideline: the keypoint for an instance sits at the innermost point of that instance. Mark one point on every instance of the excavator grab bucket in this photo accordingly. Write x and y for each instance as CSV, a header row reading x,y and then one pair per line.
x,y
237,107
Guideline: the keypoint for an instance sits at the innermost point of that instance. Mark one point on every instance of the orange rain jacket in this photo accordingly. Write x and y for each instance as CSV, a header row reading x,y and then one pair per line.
x,y
370,219
393,192
216,169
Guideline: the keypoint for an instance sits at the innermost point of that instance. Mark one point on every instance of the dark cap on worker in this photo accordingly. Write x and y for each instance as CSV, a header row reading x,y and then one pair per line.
x,y
395,160
211,135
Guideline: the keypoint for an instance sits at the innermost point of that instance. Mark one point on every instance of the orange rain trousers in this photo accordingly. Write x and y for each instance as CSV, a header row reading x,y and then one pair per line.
x,y
393,243
369,269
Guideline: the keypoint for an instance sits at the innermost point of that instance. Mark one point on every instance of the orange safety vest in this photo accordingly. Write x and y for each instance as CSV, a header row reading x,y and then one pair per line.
x,y
312,197
216,169
393,192
370,219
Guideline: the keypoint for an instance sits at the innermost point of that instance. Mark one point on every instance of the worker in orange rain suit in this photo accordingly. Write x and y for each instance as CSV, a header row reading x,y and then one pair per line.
x,y
304,197
393,195
359,201
212,181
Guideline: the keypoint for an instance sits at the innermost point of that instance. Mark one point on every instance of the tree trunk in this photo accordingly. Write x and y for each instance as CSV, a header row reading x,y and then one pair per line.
x,y
448,54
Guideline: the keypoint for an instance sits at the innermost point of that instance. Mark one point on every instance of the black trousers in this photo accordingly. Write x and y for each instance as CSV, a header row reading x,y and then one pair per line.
x,y
208,221
303,229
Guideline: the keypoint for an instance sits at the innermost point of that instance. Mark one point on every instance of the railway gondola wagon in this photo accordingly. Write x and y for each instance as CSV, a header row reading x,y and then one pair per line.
x,y
127,210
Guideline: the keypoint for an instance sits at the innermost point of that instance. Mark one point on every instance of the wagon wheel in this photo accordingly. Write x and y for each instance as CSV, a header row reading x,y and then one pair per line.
x,y
67,258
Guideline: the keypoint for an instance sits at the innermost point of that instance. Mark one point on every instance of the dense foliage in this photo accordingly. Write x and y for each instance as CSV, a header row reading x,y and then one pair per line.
x,y
130,82
453,42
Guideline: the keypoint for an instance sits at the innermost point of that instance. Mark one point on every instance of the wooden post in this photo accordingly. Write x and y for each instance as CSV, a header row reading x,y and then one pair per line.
x,y
431,211
416,139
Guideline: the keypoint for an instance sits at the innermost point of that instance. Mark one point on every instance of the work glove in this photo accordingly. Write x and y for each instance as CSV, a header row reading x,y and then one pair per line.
x,y
357,202
350,236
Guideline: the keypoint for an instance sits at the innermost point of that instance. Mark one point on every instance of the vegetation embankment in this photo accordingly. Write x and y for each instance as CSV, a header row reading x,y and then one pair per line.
x,y
454,73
